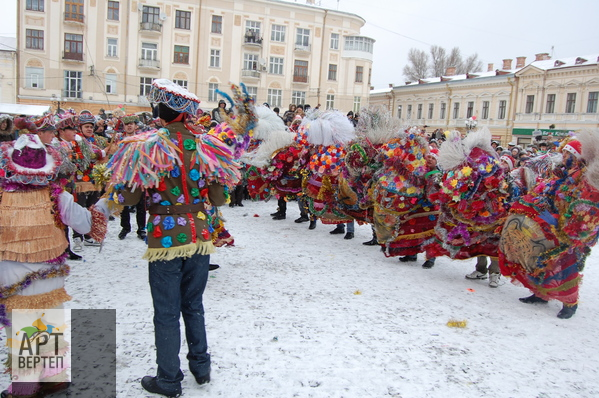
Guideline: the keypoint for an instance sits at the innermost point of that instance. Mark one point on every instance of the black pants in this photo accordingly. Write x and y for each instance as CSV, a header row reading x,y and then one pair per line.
x,y
87,200
237,194
140,216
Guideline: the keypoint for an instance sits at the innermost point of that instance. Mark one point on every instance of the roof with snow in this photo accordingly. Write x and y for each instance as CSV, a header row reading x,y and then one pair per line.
x,y
8,43
560,63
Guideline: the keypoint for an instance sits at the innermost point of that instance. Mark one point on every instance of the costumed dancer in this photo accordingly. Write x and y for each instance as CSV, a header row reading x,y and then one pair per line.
x,y
6,128
548,235
325,135
34,208
472,199
185,175
404,217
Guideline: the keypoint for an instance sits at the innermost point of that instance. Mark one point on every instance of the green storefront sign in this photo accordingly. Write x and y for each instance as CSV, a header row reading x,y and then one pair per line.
x,y
541,132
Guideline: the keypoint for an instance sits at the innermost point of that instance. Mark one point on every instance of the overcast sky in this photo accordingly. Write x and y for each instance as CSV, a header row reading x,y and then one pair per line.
x,y
495,30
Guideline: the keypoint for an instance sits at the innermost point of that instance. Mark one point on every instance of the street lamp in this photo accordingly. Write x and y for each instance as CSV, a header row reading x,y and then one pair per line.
x,y
56,101
471,124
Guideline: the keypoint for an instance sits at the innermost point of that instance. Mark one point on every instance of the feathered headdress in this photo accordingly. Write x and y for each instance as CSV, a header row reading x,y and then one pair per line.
x,y
377,125
327,128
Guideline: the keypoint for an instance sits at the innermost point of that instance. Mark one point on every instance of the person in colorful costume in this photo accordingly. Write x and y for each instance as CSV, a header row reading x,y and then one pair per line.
x,y
548,235
6,128
34,208
185,175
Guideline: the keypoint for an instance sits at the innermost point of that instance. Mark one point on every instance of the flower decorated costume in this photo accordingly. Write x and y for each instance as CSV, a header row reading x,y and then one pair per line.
x,y
472,198
548,235
403,216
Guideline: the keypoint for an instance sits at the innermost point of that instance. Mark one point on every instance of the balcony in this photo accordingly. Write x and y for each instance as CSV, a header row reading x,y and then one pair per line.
x,y
303,47
300,78
250,73
71,56
252,39
72,94
150,27
74,17
149,63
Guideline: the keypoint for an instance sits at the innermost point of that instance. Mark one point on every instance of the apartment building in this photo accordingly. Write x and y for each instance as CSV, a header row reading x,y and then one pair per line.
x,y
8,67
516,102
91,54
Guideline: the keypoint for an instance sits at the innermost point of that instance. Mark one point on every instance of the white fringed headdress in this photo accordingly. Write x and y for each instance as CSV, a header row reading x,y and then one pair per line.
x,y
328,128
377,125
455,150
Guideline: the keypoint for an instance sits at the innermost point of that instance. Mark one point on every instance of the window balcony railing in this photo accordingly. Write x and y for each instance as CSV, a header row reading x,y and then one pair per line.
x,y
252,39
74,17
303,47
250,73
72,94
150,26
300,78
71,56
149,63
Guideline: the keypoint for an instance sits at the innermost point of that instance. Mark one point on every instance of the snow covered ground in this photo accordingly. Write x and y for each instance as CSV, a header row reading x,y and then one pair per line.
x,y
294,312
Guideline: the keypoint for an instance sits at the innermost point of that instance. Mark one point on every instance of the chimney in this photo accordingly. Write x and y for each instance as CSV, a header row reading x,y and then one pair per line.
x,y
520,62
507,64
450,71
542,57
490,68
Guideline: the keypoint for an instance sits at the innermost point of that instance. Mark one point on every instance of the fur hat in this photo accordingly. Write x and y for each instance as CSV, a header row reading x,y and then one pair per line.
x,y
509,160
574,147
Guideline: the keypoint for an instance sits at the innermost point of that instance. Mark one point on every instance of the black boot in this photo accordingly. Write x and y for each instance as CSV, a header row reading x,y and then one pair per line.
x,y
149,384
409,258
212,267
280,216
312,224
567,311
73,256
349,235
123,234
430,263
302,219
533,300
142,235
339,229
371,242
203,379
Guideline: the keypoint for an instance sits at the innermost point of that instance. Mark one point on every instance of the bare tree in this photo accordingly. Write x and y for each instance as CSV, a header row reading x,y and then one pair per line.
x,y
417,66
455,59
438,60
472,64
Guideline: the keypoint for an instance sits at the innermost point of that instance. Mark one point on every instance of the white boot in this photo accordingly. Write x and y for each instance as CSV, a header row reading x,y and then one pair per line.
x,y
494,280
77,245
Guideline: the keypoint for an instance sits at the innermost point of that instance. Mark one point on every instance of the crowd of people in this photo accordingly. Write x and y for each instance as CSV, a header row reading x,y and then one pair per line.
x,y
530,214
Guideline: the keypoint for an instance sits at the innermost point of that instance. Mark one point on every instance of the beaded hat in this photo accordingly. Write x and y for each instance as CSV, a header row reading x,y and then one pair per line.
x,y
174,96
86,117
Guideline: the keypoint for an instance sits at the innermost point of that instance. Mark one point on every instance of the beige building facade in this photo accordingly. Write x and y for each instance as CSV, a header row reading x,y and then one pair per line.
x,y
92,54
8,70
511,101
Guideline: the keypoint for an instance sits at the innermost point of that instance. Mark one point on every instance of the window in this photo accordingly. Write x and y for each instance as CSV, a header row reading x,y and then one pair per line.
x,y
215,58
253,27
456,110
443,110
34,5
250,61
113,11
359,74
530,102
212,87
431,109
217,24
570,102
110,83
149,51
369,75
145,85
183,20
253,92
485,114
277,33
419,112
150,14
409,113
502,107
34,39
73,47
298,97
181,55
34,77
274,97
112,47
275,66
399,111
334,41
330,104
72,84
592,103
550,107
358,43
302,38
470,109
182,83
300,72
73,10
357,104
332,72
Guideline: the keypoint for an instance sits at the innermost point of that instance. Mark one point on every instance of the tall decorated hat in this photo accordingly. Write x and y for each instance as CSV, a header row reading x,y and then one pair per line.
x,y
174,96
67,120
27,161
86,117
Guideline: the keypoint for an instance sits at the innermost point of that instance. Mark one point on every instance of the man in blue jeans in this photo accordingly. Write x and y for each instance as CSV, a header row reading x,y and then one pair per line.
x,y
179,236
